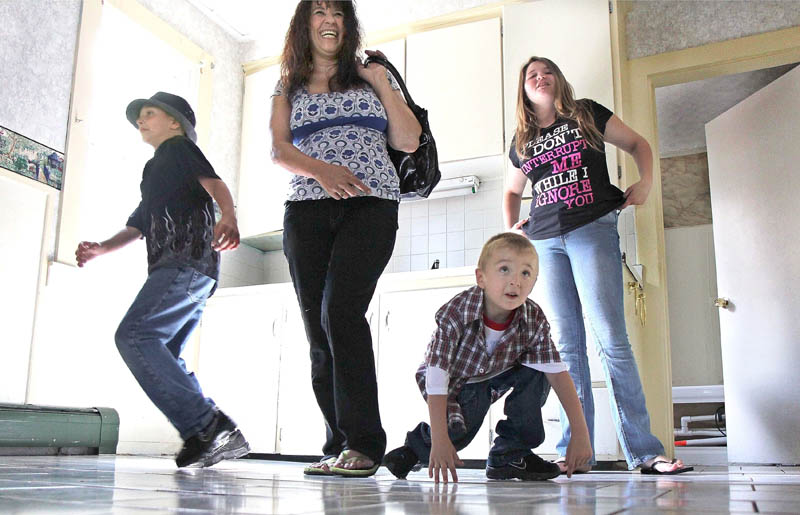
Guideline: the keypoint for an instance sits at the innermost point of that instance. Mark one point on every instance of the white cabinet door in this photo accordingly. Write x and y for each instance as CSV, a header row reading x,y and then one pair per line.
x,y
525,34
407,323
301,427
605,436
238,363
456,73
262,184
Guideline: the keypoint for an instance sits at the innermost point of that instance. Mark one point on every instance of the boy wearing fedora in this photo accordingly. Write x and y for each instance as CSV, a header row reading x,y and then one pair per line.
x,y
176,218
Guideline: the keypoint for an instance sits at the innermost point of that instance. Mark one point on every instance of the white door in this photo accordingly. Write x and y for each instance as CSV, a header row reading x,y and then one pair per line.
x,y
753,159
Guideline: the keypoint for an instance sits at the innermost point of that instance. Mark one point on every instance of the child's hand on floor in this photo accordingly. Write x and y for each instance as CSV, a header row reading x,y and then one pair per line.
x,y
579,452
443,458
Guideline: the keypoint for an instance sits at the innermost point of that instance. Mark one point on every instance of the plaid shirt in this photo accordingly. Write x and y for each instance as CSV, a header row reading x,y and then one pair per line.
x,y
458,346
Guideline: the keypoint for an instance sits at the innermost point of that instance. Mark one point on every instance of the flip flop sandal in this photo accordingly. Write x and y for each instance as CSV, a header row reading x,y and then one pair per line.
x,y
584,469
346,458
315,469
653,470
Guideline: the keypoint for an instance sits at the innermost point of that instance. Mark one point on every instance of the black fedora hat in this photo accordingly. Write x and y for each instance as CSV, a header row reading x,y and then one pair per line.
x,y
173,105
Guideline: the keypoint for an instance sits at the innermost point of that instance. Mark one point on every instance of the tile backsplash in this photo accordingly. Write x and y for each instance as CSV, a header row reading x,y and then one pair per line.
x,y
452,230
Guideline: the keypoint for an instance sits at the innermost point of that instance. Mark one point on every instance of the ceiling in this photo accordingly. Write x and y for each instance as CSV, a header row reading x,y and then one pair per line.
x,y
683,109
265,22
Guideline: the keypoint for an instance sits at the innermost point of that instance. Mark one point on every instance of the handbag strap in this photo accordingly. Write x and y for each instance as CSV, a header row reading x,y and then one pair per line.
x,y
389,66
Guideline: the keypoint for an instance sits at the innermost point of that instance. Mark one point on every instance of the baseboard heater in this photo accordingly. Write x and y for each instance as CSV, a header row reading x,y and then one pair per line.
x,y
26,430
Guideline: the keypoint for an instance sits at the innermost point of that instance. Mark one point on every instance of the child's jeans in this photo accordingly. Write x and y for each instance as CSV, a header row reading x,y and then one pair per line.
x,y
151,337
521,430
581,272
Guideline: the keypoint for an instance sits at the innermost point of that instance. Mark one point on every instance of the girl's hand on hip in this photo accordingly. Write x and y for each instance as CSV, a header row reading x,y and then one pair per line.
x,y
518,227
340,183
636,194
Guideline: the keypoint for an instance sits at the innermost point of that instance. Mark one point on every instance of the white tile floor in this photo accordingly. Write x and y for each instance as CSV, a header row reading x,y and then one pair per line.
x,y
126,484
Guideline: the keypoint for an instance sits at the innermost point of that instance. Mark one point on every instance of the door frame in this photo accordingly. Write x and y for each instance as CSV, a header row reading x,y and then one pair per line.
x,y
635,83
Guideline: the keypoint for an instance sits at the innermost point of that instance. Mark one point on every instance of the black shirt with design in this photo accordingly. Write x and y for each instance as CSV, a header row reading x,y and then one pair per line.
x,y
570,179
176,214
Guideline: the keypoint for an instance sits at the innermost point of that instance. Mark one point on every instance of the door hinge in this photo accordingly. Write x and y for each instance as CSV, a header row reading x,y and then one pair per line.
x,y
610,8
619,172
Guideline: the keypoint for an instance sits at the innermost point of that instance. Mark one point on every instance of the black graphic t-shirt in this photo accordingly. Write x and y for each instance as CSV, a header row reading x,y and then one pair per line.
x,y
570,178
176,214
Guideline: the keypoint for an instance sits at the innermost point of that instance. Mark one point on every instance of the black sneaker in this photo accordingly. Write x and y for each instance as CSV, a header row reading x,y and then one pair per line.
x,y
527,468
401,461
220,440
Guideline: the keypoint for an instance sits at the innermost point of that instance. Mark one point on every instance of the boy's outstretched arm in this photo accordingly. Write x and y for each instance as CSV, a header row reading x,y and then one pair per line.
x,y
443,455
226,231
579,449
88,250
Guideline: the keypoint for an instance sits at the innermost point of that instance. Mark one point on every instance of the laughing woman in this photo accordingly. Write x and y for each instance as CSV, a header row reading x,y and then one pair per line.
x,y
332,119
558,146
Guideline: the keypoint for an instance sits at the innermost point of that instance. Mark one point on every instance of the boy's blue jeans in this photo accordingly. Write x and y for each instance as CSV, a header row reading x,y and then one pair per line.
x,y
151,337
521,430
581,271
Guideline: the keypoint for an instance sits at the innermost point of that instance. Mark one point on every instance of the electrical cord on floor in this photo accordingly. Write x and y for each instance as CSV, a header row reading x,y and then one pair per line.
x,y
718,419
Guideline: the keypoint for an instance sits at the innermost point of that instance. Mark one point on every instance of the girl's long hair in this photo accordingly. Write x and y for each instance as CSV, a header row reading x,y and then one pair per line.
x,y
296,63
566,107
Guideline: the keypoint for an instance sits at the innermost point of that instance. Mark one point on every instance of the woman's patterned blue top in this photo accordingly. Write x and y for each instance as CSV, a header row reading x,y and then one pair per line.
x,y
342,128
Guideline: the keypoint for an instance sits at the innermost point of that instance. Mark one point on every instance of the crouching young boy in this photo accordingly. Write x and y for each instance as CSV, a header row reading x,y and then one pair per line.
x,y
491,339
176,218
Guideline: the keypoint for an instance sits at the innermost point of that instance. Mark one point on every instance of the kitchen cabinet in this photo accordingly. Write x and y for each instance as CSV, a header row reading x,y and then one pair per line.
x,y
254,362
406,325
605,436
577,39
262,184
456,73
301,426
239,354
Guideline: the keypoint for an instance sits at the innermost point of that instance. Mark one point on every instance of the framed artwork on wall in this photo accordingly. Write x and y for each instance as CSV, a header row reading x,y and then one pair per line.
x,y
32,159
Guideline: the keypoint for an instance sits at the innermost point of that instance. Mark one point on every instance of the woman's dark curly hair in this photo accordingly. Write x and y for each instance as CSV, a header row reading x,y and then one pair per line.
x,y
296,64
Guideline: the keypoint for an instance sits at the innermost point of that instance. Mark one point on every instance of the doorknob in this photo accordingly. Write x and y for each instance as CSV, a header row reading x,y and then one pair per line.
x,y
722,303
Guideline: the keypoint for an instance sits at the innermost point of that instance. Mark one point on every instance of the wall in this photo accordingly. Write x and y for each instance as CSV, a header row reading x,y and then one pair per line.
x,y
691,271
664,26
693,319
38,41
241,267
685,189
451,230
226,111
73,358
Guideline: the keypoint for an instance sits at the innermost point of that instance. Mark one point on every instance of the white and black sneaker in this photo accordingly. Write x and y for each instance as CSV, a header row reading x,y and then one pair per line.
x,y
220,440
527,468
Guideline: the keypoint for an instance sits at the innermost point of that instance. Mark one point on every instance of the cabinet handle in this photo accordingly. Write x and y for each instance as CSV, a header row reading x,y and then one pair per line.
x,y
386,320
274,321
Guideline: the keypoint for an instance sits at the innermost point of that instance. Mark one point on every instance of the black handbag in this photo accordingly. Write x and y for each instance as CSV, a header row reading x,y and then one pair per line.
x,y
419,171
